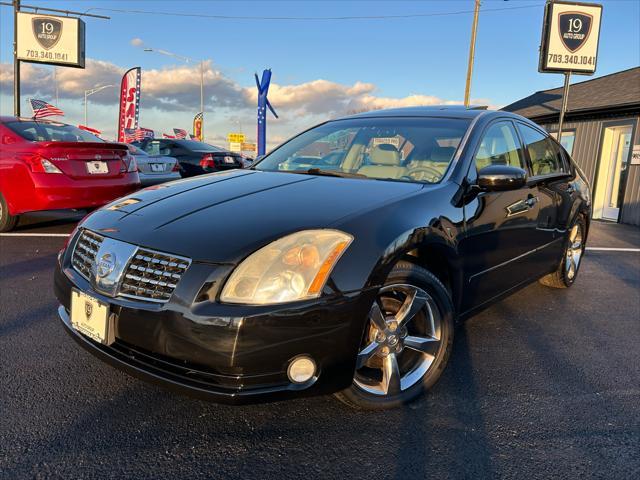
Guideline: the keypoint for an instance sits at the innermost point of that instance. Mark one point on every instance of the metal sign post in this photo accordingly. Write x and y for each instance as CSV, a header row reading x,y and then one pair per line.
x,y
565,99
16,62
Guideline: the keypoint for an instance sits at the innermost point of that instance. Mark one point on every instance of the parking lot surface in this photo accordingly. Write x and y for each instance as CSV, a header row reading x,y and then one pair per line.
x,y
544,384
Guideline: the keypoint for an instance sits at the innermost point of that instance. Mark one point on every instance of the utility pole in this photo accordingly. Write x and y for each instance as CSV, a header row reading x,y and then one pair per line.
x,y
472,52
16,62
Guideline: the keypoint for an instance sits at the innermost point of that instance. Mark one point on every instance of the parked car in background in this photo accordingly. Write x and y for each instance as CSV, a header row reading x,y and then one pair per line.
x,y
47,165
154,169
346,280
194,157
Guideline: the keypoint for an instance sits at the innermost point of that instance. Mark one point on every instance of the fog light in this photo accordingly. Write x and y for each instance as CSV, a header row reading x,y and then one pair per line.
x,y
301,369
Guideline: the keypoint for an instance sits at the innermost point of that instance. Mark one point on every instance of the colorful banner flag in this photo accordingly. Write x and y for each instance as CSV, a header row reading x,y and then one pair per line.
x,y
97,133
129,102
198,122
180,133
42,109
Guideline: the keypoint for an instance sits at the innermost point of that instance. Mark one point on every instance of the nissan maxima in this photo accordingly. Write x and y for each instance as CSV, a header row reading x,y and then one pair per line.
x,y
287,280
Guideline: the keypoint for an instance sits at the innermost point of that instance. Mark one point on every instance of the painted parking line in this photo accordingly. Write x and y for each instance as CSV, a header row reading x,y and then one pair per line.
x,y
34,234
613,249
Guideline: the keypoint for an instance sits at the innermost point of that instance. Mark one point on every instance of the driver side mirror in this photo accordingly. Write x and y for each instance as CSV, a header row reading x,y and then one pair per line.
x,y
500,178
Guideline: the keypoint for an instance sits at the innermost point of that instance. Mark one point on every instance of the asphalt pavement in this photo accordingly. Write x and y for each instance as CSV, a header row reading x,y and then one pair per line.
x,y
545,384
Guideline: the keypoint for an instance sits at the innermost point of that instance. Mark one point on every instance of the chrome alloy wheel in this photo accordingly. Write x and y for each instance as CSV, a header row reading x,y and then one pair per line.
x,y
574,251
402,340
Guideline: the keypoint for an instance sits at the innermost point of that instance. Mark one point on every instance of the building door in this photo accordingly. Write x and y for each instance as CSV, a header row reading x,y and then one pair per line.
x,y
614,156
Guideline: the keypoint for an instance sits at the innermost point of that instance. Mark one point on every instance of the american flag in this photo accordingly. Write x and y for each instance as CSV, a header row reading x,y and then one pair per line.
x,y
193,137
164,135
180,133
42,109
129,135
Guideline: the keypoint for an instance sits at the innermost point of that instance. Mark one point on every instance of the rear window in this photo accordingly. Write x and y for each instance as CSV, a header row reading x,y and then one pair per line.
x,y
50,132
196,146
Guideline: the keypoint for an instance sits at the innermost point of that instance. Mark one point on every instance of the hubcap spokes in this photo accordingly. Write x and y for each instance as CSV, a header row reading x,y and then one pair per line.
x,y
390,336
574,252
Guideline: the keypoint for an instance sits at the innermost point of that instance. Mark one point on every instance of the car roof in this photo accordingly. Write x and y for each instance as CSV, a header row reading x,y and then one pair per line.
x,y
12,118
442,111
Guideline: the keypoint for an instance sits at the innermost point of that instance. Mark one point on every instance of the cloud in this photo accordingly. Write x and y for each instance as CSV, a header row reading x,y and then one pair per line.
x,y
171,96
137,42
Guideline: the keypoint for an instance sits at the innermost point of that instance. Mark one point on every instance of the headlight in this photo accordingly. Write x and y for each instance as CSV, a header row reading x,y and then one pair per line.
x,y
295,267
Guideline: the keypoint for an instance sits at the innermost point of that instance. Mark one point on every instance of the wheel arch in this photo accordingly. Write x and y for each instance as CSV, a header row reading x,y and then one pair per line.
x,y
431,251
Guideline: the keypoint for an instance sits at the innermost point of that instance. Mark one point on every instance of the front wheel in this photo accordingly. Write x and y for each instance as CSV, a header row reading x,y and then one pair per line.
x,y
407,340
567,271
7,221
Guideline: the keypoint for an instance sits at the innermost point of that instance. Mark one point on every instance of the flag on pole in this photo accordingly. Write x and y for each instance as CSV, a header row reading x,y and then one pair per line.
x,y
180,133
129,135
42,109
198,120
90,130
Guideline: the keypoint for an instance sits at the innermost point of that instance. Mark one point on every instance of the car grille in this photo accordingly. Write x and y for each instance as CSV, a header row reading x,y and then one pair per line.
x,y
84,254
149,275
152,275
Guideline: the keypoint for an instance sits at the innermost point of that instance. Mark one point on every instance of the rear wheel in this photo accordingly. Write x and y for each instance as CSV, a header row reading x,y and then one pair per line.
x,y
407,341
567,271
7,221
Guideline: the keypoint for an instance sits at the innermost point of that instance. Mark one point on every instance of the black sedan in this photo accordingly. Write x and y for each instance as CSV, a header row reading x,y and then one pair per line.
x,y
279,281
194,157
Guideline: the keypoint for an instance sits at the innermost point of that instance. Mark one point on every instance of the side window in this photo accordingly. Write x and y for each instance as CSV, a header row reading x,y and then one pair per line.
x,y
499,146
546,158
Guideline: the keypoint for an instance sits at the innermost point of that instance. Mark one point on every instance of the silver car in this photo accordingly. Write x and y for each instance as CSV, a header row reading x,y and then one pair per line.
x,y
154,169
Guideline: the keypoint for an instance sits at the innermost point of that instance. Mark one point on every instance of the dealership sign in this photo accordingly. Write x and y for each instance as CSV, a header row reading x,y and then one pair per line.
x,y
50,39
570,36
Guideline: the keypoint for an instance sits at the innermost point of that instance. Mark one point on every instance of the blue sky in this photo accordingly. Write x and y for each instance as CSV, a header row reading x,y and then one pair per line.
x,y
424,56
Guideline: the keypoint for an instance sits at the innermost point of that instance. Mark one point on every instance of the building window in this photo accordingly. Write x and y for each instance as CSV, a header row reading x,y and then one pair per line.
x,y
568,137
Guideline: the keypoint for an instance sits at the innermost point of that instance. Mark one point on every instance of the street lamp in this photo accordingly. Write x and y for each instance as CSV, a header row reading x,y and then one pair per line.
x,y
88,93
186,60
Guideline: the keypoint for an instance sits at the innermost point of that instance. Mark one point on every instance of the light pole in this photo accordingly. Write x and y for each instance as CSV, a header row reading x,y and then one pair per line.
x,y
88,93
186,60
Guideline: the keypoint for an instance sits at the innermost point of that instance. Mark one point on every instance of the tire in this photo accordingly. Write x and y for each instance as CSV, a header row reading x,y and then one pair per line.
x,y
400,363
567,271
7,221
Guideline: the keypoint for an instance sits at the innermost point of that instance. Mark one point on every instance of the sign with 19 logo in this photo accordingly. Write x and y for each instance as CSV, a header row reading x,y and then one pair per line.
x,y
570,37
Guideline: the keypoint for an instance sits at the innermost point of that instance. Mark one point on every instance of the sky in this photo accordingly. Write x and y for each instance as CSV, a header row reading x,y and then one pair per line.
x,y
322,68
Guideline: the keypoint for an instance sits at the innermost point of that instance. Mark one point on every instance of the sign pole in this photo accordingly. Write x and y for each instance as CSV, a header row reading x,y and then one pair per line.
x,y
565,99
16,62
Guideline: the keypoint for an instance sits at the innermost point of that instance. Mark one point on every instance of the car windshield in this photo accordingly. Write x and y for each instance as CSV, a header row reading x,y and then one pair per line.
x,y
400,149
50,132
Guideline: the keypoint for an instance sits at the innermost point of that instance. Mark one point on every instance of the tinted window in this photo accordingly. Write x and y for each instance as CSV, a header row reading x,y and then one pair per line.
x,y
196,146
404,149
136,151
50,132
157,147
545,156
499,146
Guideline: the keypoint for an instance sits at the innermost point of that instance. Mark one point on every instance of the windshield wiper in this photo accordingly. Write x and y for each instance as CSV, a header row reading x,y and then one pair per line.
x,y
331,173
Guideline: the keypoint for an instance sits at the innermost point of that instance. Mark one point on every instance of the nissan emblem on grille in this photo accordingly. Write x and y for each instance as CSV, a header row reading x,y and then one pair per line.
x,y
106,264
116,268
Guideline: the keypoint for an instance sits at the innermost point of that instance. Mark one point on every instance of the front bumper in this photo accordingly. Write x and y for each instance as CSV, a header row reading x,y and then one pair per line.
x,y
226,353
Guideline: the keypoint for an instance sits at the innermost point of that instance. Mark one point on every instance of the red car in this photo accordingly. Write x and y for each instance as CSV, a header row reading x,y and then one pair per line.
x,y
46,165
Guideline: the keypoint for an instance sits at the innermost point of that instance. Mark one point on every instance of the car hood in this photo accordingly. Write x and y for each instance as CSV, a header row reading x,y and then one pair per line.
x,y
223,217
